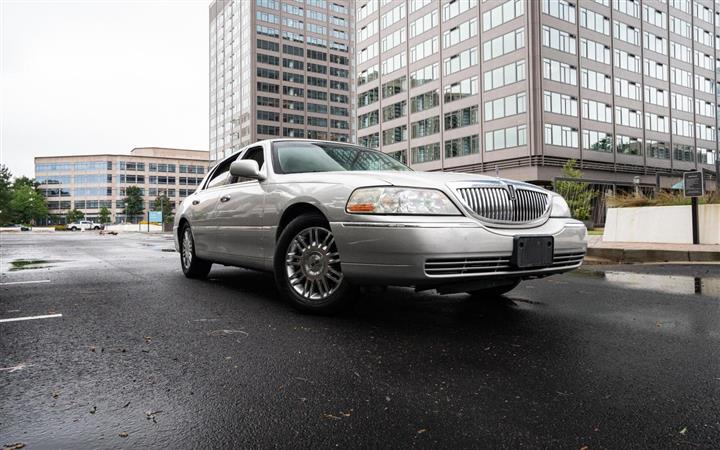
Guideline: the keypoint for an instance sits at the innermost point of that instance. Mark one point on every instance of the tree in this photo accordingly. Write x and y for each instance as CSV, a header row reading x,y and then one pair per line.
x,y
104,215
577,194
133,202
5,195
162,203
74,215
27,204
25,181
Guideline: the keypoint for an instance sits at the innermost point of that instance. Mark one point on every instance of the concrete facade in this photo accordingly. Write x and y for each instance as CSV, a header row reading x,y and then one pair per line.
x,y
627,88
279,68
90,182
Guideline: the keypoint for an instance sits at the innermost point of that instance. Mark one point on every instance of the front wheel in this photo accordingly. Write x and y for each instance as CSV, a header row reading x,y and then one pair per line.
x,y
192,266
307,267
495,291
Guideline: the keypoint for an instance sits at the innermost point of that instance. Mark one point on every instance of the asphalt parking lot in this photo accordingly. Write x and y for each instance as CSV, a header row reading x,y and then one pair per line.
x,y
135,355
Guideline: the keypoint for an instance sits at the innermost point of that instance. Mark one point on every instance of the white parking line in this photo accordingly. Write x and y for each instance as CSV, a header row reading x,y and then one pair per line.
x,y
9,283
18,319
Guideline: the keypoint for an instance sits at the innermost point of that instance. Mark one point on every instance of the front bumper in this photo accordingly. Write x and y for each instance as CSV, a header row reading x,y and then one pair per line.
x,y
430,254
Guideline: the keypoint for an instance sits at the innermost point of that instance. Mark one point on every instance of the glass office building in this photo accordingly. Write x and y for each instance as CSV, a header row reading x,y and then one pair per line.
x,y
90,182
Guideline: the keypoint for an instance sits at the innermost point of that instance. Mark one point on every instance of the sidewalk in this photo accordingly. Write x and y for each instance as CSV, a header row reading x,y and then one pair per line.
x,y
637,252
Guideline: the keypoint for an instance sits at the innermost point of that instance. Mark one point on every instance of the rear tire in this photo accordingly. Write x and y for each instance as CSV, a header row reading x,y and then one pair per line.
x,y
307,267
192,266
493,292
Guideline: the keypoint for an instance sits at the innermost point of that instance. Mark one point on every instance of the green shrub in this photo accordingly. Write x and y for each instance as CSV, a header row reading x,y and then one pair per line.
x,y
663,198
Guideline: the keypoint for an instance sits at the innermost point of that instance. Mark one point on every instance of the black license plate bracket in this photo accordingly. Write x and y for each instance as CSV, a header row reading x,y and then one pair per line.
x,y
531,252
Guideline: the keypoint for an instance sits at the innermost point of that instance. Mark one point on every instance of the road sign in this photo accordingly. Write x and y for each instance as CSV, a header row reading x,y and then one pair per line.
x,y
693,184
694,187
155,216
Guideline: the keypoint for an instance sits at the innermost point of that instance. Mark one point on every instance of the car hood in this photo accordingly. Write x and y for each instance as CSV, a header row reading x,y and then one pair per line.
x,y
435,180
432,179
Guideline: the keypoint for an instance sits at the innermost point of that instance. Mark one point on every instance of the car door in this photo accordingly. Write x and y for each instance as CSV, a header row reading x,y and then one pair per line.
x,y
239,214
202,208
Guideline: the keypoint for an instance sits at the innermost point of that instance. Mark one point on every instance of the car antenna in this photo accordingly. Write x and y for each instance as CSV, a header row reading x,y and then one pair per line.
x,y
497,172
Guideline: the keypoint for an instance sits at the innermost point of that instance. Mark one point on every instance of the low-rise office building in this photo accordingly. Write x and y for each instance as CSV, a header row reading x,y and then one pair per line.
x,y
90,182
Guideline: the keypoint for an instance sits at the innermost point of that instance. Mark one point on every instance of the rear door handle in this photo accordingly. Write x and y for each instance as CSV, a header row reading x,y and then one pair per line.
x,y
196,202
224,198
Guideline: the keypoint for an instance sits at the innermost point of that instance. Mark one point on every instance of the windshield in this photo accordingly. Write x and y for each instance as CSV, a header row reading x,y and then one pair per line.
x,y
301,157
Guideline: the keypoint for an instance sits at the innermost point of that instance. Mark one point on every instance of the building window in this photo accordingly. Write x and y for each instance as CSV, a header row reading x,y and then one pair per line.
x,y
502,76
557,103
466,145
425,127
425,101
394,135
597,141
505,138
465,88
461,118
561,136
425,153
628,145
506,106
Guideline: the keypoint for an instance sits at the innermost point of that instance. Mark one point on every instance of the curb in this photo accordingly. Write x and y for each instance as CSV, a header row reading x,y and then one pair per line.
x,y
631,256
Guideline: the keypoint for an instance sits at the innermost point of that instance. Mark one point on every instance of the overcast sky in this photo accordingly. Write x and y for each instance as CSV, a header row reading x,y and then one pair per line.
x,y
101,77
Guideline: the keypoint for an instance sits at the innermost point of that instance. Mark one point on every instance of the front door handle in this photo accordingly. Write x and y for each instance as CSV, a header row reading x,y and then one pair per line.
x,y
196,202
224,198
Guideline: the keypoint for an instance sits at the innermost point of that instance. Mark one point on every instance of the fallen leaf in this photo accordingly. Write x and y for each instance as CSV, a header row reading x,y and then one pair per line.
x,y
330,416
55,394
123,434
92,411
683,431
584,448
92,349
421,431
14,446
148,339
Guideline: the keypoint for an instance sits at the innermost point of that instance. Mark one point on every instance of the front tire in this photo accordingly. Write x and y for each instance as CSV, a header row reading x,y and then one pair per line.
x,y
192,266
494,292
307,267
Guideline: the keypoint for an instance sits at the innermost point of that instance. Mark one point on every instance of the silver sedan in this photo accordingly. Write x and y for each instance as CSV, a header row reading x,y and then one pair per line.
x,y
326,217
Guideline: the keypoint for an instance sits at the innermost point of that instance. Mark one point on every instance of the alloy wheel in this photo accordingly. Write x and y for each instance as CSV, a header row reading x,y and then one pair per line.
x,y
312,264
187,248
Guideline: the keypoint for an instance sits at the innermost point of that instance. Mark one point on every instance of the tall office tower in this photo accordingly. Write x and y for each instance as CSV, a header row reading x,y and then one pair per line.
x,y
279,68
625,87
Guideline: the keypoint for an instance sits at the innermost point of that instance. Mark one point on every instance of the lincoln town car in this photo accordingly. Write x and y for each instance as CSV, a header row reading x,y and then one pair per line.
x,y
327,218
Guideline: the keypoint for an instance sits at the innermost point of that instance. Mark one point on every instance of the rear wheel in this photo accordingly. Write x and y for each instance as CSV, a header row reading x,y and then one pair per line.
x,y
192,266
495,291
307,267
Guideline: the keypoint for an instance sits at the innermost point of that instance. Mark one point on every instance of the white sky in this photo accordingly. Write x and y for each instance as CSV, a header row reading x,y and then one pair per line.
x,y
101,77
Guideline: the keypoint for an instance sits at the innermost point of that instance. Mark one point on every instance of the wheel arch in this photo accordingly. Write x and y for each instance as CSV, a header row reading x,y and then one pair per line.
x,y
181,225
294,211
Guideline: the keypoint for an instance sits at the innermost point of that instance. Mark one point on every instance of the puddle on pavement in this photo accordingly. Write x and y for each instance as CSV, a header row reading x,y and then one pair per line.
x,y
30,264
671,284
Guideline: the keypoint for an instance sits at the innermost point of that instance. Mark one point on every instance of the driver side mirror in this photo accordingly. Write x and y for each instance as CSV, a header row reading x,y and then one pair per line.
x,y
246,168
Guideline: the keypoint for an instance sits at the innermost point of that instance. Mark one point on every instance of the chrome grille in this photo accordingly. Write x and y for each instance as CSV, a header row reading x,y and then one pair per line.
x,y
493,203
491,264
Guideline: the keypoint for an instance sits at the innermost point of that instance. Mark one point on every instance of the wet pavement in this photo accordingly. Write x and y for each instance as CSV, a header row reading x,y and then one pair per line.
x,y
132,354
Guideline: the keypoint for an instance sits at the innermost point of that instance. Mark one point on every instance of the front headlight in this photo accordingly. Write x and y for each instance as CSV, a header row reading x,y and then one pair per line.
x,y
399,200
559,207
